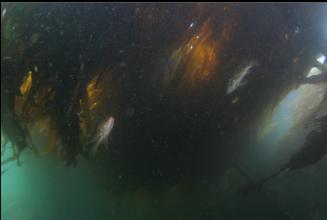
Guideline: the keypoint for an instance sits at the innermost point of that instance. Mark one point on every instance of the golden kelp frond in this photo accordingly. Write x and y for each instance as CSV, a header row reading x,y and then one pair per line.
x,y
27,84
99,88
98,92
35,109
48,128
92,90
196,59
202,55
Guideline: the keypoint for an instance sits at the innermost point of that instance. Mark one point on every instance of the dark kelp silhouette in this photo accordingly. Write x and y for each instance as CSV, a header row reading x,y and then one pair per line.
x,y
11,127
313,150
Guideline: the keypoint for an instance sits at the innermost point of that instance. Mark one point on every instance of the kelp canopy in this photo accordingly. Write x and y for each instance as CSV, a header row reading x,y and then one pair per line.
x,y
161,70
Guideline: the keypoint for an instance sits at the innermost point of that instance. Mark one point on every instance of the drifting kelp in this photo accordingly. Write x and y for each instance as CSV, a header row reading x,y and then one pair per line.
x,y
72,70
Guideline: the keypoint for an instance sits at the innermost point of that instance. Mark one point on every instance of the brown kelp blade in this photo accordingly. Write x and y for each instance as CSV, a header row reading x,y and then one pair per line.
x,y
257,186
314,149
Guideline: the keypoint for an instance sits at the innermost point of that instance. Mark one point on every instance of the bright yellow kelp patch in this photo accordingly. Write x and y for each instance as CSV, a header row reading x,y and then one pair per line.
x,y
27,84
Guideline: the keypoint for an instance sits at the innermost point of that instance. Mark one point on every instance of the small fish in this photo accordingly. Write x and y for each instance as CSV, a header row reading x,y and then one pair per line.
x,y
238,79
103,132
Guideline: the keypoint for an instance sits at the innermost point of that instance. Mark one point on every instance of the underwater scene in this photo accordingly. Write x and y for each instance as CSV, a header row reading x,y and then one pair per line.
x,y
165,111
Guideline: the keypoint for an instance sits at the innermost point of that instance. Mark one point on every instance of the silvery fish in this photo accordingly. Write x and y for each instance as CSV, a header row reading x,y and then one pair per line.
x,y
238,79
102,134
